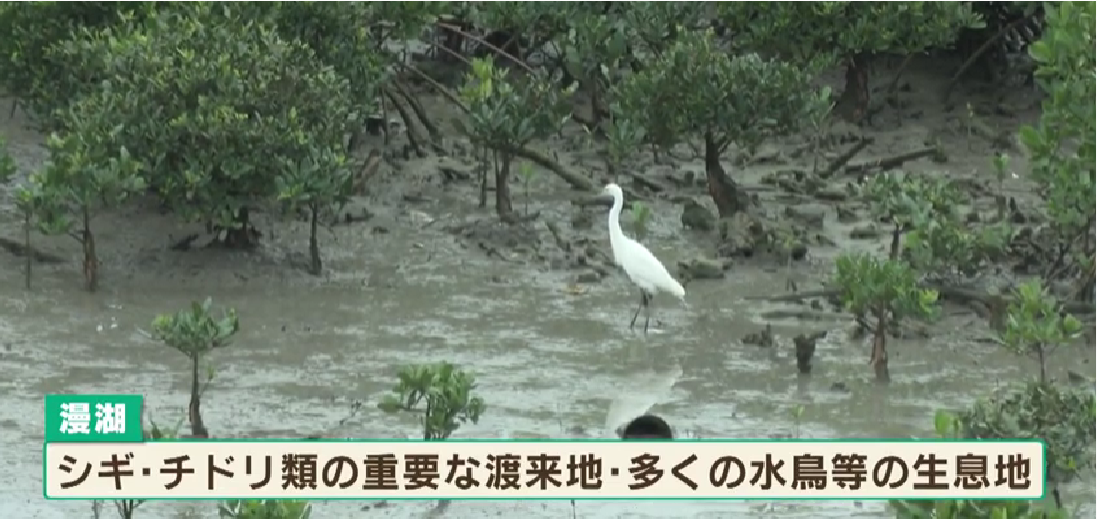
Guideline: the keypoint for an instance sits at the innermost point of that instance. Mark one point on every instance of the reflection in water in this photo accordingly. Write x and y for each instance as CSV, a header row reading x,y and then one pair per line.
x,y
548,362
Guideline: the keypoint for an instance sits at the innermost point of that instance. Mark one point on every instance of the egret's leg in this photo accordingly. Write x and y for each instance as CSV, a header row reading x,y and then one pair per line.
x,y
647,311
643,303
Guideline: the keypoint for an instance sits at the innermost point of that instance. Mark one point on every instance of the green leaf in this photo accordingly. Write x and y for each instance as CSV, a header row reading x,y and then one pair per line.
x,y
942,423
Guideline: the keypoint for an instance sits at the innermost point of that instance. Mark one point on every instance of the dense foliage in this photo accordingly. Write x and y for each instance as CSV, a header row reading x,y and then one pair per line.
x,y
223,110
1061,143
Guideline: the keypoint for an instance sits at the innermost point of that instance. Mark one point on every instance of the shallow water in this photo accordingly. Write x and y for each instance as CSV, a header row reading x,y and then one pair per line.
x,y
548,362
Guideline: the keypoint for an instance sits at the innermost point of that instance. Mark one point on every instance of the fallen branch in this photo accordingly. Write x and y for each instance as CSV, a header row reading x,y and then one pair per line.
x,y
432,129
888,163
992,301
413,133
491,251
561,243
483,42
185,243
575,180
844,158
646,182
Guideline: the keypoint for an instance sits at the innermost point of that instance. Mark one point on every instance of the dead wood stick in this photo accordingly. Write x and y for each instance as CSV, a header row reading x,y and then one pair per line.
x,y
646,182
432,129
575,180
798,296
414,138
563,244
844,158
888,163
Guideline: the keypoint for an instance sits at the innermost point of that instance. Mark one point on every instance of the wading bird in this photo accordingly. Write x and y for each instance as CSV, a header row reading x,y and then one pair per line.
x,y
641,266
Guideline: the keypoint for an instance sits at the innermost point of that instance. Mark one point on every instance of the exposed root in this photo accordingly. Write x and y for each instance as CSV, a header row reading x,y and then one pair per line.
x,y
575,180
986,302
983,49
413,132
21,250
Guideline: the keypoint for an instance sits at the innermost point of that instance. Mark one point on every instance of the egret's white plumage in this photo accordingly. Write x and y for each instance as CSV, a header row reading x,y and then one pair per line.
x,y
641,266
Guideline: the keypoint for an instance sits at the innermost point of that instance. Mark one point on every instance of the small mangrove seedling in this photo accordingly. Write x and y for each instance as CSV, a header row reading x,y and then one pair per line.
x,y
1035,324
447,393
641,215
195,332
527,174
264,509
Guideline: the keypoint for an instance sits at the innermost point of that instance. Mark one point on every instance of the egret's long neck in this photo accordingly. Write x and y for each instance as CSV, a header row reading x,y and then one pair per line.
x,y
615,233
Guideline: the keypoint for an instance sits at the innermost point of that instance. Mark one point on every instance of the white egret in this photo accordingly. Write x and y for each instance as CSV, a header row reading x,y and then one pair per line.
x,y
641,266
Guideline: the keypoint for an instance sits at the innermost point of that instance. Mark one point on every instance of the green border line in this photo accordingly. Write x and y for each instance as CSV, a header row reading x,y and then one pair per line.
x,y
1042,443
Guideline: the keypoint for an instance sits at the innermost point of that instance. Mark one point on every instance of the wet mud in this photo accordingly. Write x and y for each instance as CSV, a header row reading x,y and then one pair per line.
x,y
553,357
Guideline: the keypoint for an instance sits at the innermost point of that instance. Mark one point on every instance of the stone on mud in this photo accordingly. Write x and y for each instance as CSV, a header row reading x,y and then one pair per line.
x,y
589,276
864,232
702,268
739,235
355,210
812,218
832,194
696,216
846,214
582,221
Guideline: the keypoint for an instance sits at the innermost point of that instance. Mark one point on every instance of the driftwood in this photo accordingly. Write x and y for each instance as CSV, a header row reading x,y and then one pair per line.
x,y
414,138
185,243
646,182
887,163
420,113
844,158
575,180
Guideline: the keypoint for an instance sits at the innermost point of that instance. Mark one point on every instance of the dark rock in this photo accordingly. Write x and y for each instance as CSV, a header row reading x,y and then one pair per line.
x,y
811,218
582,221
864,232
741,235
846,214
588,277
702,268
696,216
824,240
799,251
762,338
832,194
